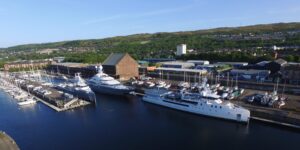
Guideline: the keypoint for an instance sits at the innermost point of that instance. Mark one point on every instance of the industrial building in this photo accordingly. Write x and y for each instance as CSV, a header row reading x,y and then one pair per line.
x,y
58,59
216,68
250,74
69,69
181,49
177,64
234,64
121,66
178,74
199,62
157,60
36,64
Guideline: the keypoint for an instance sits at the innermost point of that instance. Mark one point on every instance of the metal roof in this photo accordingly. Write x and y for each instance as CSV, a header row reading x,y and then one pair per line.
x,y
182,70
233,63
113,59
249,71
280,61
192,61
177,63
263,63
71,64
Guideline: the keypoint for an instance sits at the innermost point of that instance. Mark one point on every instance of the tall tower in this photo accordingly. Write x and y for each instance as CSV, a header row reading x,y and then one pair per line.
x,y
181,49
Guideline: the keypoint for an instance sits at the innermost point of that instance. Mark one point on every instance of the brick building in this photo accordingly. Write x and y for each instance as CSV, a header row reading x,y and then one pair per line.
x,y
121,66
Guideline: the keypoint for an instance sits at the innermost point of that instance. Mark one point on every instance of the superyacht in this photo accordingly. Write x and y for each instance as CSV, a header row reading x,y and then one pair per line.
x,y
78,88
104,84
204,103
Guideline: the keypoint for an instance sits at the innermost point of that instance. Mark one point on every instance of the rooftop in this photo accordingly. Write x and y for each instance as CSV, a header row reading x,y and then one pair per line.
x,y
262,63
114,58
197,61
280,61
249,71
72,64
177,63
28,61
182,70
235,63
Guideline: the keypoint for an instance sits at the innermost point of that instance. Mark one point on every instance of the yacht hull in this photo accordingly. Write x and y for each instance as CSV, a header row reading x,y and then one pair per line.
x,y
199,110
110,90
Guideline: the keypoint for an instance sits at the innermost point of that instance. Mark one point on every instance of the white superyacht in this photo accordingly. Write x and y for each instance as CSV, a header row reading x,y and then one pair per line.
x,y
203,103
103,83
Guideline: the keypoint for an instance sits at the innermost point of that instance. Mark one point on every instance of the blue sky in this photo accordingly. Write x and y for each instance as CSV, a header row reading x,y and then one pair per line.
x,y
37,21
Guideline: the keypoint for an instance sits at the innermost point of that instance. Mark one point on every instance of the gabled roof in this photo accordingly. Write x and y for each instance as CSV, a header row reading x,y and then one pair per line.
x,y
280,61
113,59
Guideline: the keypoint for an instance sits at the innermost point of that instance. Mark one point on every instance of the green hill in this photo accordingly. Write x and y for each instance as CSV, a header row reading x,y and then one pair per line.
x,y
163,44
164,40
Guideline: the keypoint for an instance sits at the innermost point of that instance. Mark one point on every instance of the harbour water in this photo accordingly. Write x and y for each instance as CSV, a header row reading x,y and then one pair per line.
x,y
120,123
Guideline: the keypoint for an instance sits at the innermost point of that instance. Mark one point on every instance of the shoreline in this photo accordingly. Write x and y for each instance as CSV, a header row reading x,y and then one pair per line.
x,y
7,142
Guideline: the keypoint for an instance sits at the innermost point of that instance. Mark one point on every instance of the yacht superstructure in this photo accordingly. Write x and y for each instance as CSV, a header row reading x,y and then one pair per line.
x,y
105,84
78,88
203,103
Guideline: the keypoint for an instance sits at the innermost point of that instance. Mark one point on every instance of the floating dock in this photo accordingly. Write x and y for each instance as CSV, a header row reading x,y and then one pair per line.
x,y
56,99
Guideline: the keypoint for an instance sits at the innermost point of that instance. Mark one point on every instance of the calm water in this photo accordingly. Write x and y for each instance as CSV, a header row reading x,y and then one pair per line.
x,y
119,123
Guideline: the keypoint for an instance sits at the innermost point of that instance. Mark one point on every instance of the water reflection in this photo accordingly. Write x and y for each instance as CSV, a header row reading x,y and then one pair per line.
x,y
129,123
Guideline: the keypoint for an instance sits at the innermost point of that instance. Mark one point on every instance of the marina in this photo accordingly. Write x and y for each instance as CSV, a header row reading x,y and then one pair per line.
x,y
28,92
287,115
203,104
99,126
238,97
150,75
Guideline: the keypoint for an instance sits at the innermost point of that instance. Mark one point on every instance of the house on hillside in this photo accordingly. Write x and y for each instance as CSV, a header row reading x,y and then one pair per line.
x,y
121,66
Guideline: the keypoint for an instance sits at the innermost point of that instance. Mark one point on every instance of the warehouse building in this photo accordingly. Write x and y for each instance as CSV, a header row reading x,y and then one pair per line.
x,y
121,66
199,62
178,74
234,64
250,74
27,64
70,68
177,64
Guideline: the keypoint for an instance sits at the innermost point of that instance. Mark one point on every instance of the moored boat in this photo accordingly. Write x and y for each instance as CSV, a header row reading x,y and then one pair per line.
x,y
202,104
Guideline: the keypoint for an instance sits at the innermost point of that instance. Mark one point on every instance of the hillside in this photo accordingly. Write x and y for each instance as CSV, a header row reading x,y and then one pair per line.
x,y
164,44
166,40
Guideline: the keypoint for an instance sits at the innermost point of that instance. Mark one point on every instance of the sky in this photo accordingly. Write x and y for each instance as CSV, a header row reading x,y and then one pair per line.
x,y
40,21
